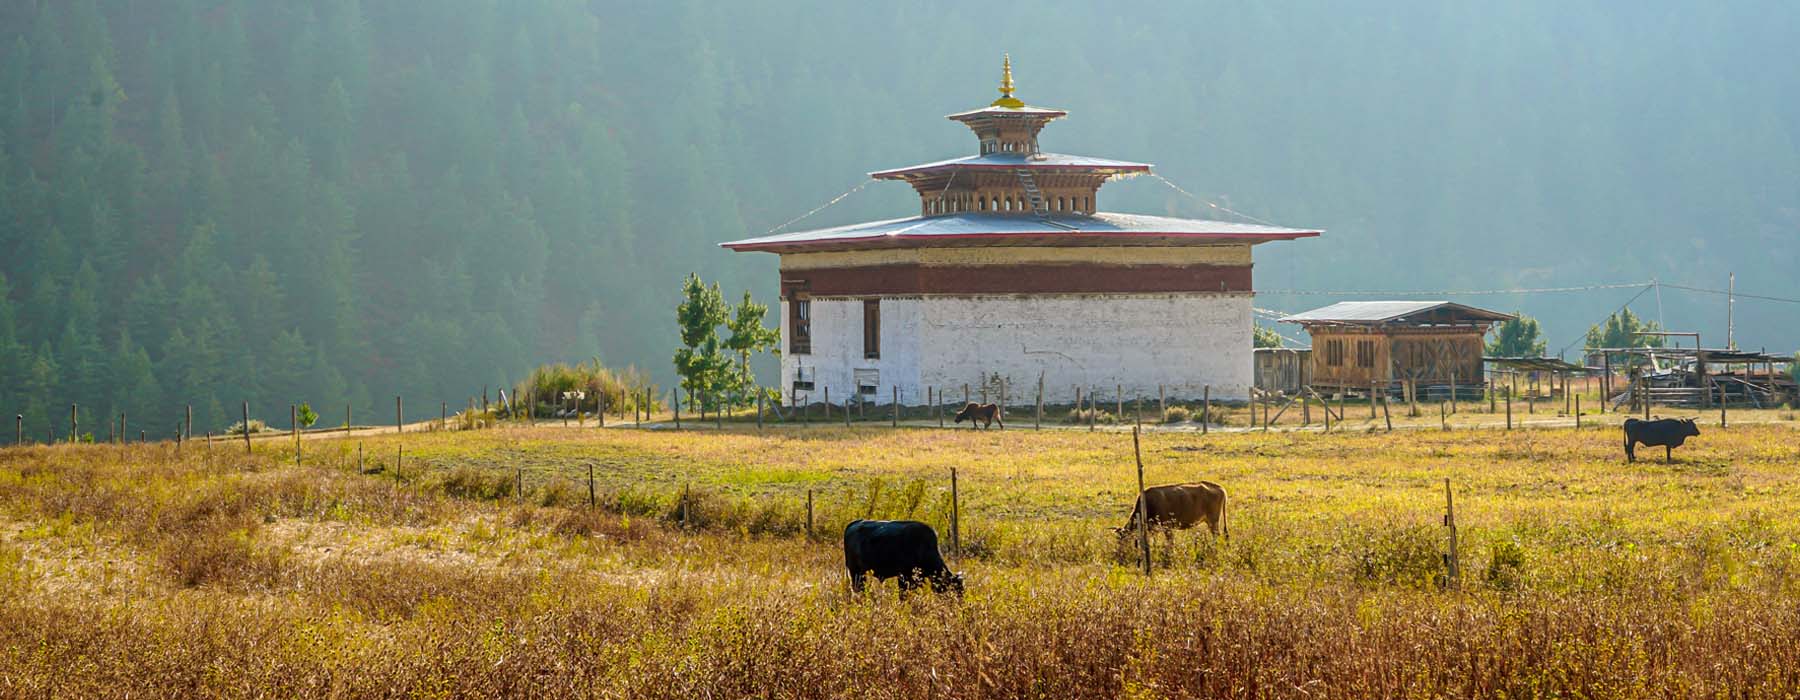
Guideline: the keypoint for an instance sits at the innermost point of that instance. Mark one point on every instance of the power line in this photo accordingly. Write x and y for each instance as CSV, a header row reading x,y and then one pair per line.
x,y
1737,295
1622,307
822,207
1208,202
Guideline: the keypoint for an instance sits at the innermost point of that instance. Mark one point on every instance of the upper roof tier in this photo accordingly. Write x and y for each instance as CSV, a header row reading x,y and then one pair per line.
x,y
979,229
1408,313
1014,161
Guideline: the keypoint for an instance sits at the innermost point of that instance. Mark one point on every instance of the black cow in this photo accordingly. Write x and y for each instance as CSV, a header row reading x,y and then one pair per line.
x,y
1668,432
897,548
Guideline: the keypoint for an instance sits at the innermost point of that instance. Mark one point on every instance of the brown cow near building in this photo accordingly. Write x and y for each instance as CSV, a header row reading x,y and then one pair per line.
x,y
1181,506
986,414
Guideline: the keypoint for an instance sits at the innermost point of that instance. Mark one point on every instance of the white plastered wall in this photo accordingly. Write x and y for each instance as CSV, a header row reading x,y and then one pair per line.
x,y
1180,342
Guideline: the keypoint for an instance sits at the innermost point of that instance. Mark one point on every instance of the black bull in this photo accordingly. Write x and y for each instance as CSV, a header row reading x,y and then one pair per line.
x,y
1667,432
897,548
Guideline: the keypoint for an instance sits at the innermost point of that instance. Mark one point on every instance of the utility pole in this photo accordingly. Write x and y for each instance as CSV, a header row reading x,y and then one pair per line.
x,y
1730,302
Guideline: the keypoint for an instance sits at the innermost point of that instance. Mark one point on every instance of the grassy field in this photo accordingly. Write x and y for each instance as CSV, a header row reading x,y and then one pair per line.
x,y
131,570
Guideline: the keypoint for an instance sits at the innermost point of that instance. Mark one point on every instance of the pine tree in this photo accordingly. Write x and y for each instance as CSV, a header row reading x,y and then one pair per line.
x,y
700,362
747,337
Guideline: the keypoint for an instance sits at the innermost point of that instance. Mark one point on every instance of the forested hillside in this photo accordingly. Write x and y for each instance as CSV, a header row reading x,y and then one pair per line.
x,y
211,201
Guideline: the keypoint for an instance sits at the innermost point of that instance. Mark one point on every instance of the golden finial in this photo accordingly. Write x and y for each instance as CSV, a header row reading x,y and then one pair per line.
x,y
1006,86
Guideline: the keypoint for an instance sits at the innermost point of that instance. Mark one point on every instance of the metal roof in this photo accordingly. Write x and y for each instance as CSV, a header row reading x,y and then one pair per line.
x,y
986,227
1011,161
1379,312
1541,364
1000,111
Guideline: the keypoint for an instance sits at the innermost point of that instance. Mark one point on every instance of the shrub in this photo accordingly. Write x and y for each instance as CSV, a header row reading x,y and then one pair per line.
x,y
256,426
1081,416
1506,565
547,383
469,482
1404,555
1177,414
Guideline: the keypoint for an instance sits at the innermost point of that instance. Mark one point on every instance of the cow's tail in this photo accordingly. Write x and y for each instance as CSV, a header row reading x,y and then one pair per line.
x,y
1224,522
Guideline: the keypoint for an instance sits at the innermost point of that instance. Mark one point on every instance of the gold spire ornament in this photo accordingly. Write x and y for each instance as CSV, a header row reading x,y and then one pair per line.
x,y
1006,86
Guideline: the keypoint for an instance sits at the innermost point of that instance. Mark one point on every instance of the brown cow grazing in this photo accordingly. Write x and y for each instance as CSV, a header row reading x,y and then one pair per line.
x,y
1181,506
985,413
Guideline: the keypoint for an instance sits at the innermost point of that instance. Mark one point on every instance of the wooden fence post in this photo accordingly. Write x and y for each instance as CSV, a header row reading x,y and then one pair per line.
x,y
1450,560
1721,404
1139,408
675,405
1205,407
443,415
1305,408
1577,410
846,410
294,429
1037,423
759,409
1143,520
1509,410
1385,415
519,474
19,431
75,425
966,394
1119,398
1093,409
809,514
188,432
895,421
592,499
828,403
246,427
399,420
939,407
1443,416
718,411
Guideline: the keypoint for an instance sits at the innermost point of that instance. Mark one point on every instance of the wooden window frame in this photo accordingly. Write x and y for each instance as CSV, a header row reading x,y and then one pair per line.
x,y
800,325
1365,354
871,329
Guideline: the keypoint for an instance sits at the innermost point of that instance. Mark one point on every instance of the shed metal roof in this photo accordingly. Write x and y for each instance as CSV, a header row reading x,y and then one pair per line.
x,y
1072,229
1011,161
1001,111
1380,312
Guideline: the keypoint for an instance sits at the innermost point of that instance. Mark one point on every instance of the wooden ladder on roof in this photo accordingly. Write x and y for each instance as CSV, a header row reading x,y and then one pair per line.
x,y
1029,182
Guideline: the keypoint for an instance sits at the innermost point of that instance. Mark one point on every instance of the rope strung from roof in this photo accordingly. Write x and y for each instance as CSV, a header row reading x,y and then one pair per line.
x,y
1207,202
1622,307
822,207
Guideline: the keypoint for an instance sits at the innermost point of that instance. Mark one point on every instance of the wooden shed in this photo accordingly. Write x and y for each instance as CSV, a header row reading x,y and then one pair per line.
x,y
1283,370
1357,344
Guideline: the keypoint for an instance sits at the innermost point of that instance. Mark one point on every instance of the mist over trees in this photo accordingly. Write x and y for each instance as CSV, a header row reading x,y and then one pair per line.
x,y
212,201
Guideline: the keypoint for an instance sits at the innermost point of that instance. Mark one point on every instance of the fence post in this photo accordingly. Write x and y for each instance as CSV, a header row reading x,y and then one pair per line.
x,y
75,425
1119,401
1037,422
1490,392
1509,410
443,415
1205,407
955,519
939,407
759,409
895,421
592,500
719,405
1139,408
519,474
189,431
966,393
246,427
1385,415
809,514
1721,405
1093,409
846,408
1325,405
1162,404
294,430
399,420
1443,416
675,405
1450,560
19,430
1371,401
1142,508
1578,411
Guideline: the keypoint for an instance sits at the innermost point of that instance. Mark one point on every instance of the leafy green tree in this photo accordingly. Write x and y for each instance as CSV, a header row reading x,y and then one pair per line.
x,y
701,361
304,412
1265,337
1519,337
1620,331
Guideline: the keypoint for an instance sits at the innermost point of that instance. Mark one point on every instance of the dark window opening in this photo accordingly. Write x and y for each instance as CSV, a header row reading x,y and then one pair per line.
x,y
1334,353
800,326
1365,353
871,328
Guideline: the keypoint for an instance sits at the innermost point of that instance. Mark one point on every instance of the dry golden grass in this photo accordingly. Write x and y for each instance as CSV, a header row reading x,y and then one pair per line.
x,y
131,571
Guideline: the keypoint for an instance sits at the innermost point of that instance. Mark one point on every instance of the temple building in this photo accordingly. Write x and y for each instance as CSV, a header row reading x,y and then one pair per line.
x,y
1010,272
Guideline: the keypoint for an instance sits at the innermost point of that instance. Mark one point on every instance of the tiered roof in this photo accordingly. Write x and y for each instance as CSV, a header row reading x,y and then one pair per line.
x,y
1011,193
